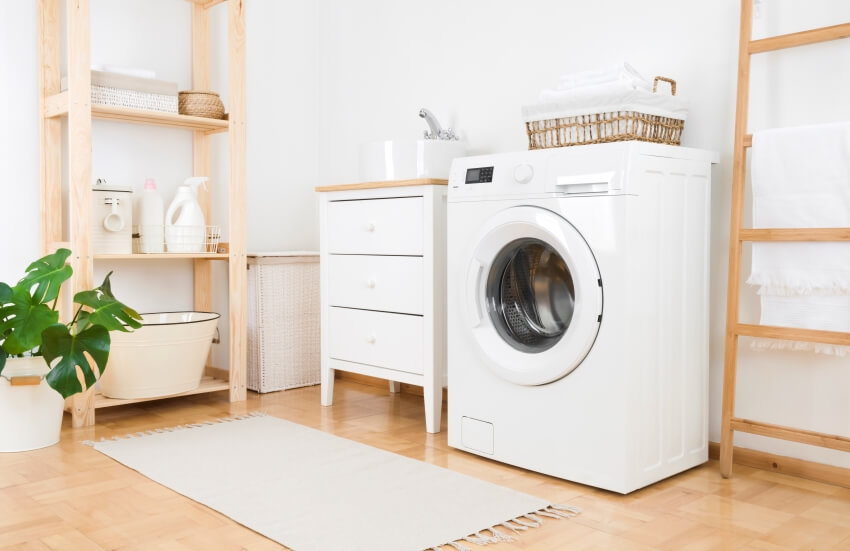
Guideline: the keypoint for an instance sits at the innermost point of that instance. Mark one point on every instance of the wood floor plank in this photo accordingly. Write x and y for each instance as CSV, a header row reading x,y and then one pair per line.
x,y
71,497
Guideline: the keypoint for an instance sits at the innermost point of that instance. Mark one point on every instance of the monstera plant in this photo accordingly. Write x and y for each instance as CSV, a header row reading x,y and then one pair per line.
x,y
30,327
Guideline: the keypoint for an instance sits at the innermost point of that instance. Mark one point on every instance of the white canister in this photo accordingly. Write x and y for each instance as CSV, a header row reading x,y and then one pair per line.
x,y
112,219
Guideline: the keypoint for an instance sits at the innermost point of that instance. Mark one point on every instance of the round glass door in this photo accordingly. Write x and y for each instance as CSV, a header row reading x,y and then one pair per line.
x,y
530,295
534,295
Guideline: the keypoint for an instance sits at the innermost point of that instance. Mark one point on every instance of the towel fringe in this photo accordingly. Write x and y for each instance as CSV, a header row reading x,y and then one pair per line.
x,y
177,428
800,346
522,523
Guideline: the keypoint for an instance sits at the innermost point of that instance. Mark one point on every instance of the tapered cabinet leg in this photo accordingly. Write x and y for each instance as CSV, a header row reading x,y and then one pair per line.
x,y
327,386
433,407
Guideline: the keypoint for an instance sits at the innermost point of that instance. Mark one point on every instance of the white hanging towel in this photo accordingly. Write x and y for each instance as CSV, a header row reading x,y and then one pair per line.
x,y
801,179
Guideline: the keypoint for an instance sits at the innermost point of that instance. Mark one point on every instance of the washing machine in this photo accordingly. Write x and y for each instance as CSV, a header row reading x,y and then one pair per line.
x,y
578,298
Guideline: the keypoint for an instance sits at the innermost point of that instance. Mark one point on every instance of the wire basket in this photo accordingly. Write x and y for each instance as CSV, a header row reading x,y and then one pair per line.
x,y
179,239
613,126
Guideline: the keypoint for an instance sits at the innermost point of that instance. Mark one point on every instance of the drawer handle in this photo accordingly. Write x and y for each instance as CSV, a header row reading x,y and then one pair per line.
x,y
371,339
370,227
371,283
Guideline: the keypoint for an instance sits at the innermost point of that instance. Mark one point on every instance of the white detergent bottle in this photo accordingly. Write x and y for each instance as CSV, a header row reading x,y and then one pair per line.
x,y
151,215
185,227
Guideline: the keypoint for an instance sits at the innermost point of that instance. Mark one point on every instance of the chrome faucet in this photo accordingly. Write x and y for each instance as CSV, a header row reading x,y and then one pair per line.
x,y
437,132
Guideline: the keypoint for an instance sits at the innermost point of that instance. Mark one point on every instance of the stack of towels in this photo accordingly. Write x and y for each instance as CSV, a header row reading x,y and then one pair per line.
x,y
801,179
615,88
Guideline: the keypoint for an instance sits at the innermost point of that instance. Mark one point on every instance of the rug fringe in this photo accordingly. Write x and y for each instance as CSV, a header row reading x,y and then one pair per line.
x,y
556,511
177,428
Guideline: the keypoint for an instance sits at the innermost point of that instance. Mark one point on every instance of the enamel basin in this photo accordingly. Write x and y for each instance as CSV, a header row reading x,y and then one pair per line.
x,y
408,159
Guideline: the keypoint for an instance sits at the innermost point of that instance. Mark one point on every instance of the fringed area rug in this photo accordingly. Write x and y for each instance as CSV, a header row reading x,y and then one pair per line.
x,y
313,491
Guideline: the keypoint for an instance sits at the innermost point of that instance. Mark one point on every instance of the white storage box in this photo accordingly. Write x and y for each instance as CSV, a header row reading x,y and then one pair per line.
x,y
283,320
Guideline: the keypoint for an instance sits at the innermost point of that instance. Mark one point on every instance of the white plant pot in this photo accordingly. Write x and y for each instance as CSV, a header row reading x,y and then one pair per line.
x,y
30,415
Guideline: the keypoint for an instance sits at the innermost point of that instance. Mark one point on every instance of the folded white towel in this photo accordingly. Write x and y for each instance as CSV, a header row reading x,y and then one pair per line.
x,y
603,98
621,73
128,71
801,178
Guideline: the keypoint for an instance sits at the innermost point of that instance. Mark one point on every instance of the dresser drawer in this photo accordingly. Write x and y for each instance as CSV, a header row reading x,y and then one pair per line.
x,y
388,283
376,226
393,341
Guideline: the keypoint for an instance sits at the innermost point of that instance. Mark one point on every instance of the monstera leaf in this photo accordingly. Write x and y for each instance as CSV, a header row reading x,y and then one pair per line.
x,y
22,319
106,310
47,275
2,360
72,351
5,298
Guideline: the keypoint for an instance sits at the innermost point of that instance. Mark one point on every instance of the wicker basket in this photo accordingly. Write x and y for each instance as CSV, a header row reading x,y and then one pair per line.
x,y
616,126
283,321
199,103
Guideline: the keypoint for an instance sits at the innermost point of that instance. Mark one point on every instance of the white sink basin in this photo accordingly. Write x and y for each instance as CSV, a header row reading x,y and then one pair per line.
x,y
408,159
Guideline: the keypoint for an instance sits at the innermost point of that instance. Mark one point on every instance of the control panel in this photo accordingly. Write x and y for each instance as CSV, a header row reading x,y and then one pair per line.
x,y
479,175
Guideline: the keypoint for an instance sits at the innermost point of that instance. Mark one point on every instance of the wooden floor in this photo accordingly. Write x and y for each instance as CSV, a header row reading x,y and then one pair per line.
x,y
71,497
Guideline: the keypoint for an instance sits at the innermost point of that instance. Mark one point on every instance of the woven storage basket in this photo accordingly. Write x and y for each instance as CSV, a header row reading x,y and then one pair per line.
x,y
199,103
283,321
615,126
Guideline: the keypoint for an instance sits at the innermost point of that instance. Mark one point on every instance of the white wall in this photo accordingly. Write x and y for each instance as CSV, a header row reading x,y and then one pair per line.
x,y
326,75
474,63
19,171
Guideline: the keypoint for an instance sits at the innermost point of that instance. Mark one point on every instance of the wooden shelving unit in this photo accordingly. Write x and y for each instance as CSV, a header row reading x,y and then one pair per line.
x,y
75,105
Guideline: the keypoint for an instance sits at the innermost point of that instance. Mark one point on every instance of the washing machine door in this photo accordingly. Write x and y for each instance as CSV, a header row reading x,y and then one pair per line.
x,y
535,295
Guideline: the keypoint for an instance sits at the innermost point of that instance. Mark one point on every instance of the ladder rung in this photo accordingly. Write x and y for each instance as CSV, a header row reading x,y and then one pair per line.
x,y
795,435
792,40
794,234
748,140
793,334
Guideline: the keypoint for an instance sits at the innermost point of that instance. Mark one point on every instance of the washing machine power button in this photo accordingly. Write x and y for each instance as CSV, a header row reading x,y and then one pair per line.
x,y
523,173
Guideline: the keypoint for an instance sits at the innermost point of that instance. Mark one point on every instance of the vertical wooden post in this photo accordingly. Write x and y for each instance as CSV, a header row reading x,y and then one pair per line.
x,y
79,168
739,177
237,136
50,129
201,148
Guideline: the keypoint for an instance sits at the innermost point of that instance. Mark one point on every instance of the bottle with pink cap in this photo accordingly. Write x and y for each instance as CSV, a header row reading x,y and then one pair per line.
x,y
151,219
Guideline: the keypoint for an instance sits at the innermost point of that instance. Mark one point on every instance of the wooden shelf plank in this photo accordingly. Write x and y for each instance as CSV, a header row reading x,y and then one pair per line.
x,y
793,334
794,234
208,384
163,256
386,184
156,118
802,38
794,435
57,106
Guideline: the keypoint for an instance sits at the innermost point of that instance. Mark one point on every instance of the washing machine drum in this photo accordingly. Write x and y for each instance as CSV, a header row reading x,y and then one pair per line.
x,y
530,295
533,295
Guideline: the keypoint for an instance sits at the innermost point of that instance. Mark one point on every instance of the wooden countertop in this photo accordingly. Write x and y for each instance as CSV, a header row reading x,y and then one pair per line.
x,y
390,183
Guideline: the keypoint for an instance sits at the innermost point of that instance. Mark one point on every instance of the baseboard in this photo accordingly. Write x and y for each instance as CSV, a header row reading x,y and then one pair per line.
x,y
382,383
809,470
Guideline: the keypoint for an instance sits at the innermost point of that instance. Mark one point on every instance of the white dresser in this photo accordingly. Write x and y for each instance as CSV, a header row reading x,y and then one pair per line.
x,y
383,286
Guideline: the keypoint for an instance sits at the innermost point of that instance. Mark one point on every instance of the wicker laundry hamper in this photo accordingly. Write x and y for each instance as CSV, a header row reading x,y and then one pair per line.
x,y
283,321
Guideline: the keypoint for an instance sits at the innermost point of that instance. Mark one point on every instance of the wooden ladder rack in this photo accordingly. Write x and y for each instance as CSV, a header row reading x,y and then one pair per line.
x,y
738,235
